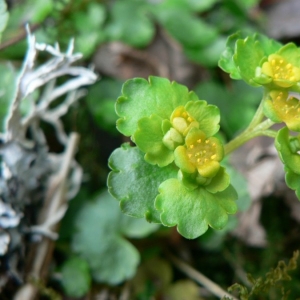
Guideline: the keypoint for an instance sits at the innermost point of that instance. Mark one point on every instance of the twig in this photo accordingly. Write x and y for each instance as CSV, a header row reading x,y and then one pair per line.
x,y
200,278
54,203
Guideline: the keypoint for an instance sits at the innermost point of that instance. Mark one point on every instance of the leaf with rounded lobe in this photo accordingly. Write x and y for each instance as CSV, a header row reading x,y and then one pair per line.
x,y
194,210
136,30
283,144
99,239
141,98
135,183
248,56
184,26
226,62
208,55
76,277
149,138
208,116
292,181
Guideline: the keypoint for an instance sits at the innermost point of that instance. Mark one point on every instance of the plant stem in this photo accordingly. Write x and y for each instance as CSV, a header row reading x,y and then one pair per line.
x,y
251,132
259,115
200,278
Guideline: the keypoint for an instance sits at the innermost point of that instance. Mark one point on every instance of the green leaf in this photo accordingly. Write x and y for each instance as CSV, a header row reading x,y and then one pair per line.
x,y
209,54
88,24
201,6
226,62
135,183
149,138
291,53
141,98
208,116
243,56
3,16
158,139
76,278
99,239
136,30
194,210
248,55
91,19
218,183
288,148
186,28
101,103
293,181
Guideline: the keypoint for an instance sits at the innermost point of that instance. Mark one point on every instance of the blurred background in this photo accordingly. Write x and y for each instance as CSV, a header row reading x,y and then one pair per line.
x,y
102,254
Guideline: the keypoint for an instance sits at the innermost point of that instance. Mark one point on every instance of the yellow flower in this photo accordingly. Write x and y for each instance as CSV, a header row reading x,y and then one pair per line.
x,y
282,106
282,72
200,154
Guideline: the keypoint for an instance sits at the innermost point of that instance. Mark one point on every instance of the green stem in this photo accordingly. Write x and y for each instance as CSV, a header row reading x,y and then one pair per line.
x,y
259,115
250,133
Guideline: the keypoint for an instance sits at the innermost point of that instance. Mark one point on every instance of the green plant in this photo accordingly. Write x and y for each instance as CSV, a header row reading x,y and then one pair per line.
x,y
174,174
177,171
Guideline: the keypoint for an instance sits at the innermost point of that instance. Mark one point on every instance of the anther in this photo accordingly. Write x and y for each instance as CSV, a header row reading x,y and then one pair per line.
x,y
207,142
190,119
281,61
273,62
189,155
191,146
199,141
213,156
198,160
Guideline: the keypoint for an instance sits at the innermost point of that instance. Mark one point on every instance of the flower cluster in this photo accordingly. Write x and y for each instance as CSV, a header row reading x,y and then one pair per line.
x,y
173,175
183,134
260,61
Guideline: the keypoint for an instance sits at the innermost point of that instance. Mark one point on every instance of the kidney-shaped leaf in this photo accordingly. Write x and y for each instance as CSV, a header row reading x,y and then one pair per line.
x,y
141,98
135,183
99,239
194,210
